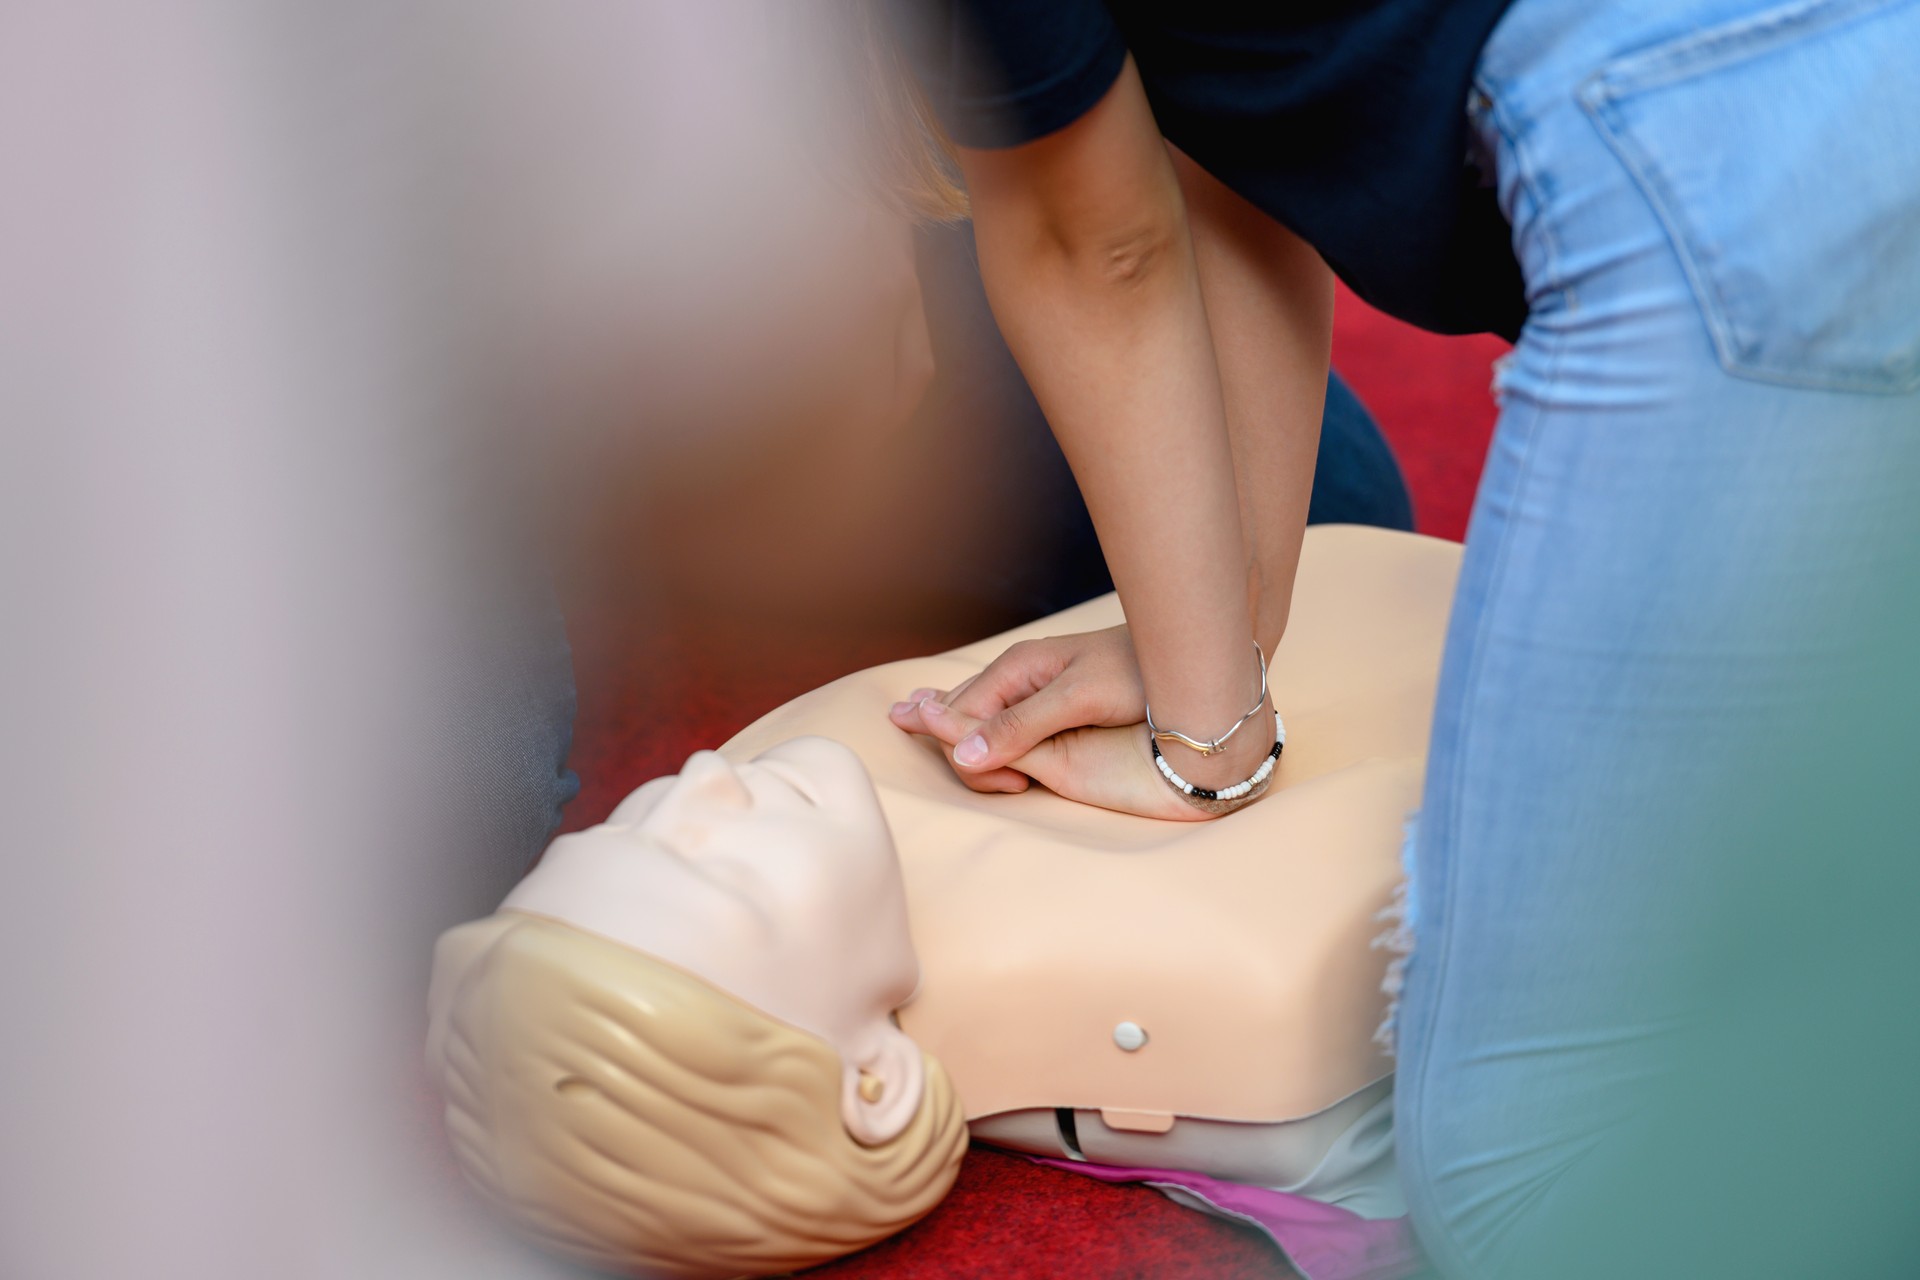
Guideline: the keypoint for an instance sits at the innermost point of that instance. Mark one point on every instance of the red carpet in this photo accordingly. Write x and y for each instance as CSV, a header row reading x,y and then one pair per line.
x,y
647,699
1432,396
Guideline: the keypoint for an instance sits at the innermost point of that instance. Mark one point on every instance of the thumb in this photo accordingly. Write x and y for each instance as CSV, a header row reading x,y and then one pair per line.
x,y
1013,731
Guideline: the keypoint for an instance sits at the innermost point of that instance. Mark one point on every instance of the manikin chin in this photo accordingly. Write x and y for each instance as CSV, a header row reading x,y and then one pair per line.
x,y
746,1024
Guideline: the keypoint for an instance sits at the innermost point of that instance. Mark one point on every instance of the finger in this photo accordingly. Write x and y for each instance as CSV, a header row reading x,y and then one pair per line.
x,y
948,726
907,715
1016,675
1009,782
911,717
1000,739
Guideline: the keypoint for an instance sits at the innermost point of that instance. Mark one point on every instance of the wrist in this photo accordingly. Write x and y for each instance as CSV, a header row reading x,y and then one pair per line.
x,y
1202,711
1236,759
1218,797
1207,760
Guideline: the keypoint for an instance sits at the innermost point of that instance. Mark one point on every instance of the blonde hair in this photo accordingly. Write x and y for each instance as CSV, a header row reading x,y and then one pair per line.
x,y
907,157
631,1116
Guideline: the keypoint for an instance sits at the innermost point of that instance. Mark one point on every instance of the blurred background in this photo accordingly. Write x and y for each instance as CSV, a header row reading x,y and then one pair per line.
x,y
379,383
739,587
423,421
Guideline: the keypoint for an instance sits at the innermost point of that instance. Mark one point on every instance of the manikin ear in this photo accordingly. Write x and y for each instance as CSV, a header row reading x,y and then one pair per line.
x,y
880,1095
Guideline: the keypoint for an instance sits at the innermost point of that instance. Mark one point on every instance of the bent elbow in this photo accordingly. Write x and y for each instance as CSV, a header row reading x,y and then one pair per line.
x,y
1128,257
1103,253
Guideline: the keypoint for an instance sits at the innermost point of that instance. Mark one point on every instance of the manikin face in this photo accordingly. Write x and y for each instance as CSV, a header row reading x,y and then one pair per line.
x,y
775,880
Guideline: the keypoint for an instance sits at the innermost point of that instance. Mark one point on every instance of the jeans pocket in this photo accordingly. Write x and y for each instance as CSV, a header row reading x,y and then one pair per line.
x,y
1782,151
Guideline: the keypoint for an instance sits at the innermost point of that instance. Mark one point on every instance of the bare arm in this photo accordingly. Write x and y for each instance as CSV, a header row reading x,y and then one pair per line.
x,y
1092,271
1269,300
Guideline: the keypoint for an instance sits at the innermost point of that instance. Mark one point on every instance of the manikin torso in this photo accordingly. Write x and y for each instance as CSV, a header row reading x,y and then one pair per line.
x,y
1190,995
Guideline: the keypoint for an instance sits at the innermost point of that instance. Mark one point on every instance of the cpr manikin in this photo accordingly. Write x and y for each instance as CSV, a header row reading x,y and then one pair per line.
x,y
670,1051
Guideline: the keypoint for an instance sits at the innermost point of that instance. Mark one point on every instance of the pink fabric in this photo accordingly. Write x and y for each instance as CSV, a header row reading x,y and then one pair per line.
x,y
1322,1241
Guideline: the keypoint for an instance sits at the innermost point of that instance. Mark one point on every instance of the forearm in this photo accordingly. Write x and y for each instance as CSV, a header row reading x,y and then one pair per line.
x,y
1094,281
1269,301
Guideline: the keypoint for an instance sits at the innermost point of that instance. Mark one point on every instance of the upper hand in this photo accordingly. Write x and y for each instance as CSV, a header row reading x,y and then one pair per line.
x,y
1108,766
1033,692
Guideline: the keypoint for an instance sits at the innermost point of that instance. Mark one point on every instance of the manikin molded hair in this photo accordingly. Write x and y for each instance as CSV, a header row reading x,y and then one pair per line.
x,y
631,1116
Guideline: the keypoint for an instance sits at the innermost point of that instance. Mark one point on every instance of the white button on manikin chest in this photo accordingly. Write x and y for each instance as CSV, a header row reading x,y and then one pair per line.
x,y
1129,1036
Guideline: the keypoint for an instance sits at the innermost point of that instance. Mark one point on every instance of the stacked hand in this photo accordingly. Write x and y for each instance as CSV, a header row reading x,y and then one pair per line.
x,y
1067,712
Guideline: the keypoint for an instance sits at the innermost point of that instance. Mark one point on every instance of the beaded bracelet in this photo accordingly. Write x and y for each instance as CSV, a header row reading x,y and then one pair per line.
x,y
1238,790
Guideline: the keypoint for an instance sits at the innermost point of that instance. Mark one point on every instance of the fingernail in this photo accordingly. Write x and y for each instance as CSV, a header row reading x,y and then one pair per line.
x,y
921,695
932,708
901,708
972,750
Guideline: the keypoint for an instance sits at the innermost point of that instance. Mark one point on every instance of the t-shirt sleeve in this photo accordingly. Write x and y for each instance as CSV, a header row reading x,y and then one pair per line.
x,y
1003,72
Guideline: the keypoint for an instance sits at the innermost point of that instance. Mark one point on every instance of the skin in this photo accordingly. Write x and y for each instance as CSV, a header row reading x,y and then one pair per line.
x,y
1177,339
1108,766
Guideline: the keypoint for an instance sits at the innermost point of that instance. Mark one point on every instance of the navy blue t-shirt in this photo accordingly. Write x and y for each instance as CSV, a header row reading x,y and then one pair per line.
x,y
1343,119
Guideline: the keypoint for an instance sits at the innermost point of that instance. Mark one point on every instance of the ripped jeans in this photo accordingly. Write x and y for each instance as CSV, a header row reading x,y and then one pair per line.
x,y
1707,456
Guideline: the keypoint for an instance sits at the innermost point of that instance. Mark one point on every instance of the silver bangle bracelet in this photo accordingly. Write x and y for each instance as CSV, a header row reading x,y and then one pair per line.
x,y
1221,799
1208,748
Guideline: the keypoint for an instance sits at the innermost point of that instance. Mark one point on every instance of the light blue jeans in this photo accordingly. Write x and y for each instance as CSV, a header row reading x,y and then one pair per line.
x,y
1708,450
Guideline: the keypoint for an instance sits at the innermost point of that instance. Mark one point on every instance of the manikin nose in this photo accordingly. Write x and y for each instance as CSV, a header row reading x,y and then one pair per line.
x,y
709,779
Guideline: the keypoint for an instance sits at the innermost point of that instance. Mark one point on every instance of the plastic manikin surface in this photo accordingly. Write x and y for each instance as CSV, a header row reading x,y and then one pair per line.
x,y
1241,948
775,880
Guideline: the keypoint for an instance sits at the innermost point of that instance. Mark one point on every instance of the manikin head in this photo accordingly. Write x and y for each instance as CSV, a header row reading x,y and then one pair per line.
x,y
680,1023
775,880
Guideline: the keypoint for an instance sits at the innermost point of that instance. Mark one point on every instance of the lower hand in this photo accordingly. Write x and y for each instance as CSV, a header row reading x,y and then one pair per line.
x,y
1035,691
1110,767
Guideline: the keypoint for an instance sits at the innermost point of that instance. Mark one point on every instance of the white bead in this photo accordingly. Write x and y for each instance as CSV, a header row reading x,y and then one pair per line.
x,y
1238,789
